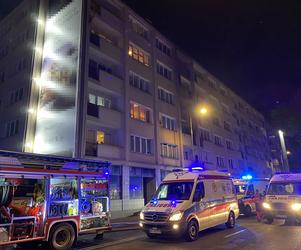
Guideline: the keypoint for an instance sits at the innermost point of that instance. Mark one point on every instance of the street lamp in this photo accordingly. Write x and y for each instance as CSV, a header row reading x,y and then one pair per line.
x,y
203,110
283,150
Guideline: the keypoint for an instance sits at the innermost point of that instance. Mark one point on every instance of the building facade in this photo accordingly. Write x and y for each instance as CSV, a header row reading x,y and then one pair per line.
x,y
137,100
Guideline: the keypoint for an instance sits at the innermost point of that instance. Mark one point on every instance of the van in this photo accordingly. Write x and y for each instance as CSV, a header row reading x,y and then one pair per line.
x,y
245,190
189,201
283,199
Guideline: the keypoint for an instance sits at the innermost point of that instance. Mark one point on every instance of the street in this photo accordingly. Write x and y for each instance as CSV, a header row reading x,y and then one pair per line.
x,y
248,234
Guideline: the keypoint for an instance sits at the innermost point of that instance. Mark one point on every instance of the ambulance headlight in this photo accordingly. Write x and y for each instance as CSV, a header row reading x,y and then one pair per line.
x,y
266,205
176,216
296,206
141,216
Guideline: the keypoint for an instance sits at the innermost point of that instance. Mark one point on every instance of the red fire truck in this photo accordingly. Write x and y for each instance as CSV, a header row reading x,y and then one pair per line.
x,y
51,199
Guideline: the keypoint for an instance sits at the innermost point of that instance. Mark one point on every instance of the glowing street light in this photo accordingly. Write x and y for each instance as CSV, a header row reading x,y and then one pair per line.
x,y
203,111
283,149
288,152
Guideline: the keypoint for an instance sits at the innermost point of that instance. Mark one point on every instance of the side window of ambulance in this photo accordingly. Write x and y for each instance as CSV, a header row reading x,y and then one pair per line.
x,y
199,191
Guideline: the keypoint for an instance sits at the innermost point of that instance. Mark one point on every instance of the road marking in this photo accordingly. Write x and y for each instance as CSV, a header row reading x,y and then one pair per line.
x,y
238,232
117,242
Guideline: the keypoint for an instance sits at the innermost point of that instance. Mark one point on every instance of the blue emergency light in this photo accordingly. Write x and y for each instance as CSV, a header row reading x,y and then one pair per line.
x,y
247,177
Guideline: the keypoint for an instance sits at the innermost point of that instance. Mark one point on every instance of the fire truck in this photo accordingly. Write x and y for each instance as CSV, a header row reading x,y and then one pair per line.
x,y
51,199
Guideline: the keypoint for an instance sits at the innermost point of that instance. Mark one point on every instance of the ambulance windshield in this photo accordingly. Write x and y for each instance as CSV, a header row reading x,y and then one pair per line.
x,y
288,188
241,189
174,191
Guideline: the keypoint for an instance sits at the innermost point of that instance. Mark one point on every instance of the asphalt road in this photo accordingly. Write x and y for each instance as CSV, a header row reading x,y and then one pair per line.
x,y
248,234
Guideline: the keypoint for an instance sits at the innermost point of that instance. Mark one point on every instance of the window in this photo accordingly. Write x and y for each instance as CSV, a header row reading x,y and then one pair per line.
x,y
216,122
231,163
163,47
220,162
93,70
16,96
140,144
165,96
138,28
169,151
229,144
174,191
115,180
164,71
138,54
138,82
12,128
99,101
218,140
168,122
205,135
136,187
227,126
140,112
100,137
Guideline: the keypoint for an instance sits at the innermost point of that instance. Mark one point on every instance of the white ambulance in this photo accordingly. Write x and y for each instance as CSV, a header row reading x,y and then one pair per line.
x,y
189,201
245,189
283,199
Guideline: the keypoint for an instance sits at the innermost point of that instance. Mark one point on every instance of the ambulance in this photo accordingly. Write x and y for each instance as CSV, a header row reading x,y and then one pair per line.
x,y
283,199
245,190
188,201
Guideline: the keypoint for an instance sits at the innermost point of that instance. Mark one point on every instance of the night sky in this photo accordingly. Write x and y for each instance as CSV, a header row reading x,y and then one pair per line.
x,y
252,46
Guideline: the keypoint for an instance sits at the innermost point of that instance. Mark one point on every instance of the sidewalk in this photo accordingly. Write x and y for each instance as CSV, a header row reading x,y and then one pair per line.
x,y
126,223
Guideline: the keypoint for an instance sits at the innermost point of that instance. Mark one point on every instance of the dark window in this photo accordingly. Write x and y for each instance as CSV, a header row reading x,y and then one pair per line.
x,y
94,39
93,70
92,110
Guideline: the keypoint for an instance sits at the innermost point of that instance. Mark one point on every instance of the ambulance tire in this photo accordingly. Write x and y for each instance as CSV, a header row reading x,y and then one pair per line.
x,y
231,221
248,211
192,231
62,237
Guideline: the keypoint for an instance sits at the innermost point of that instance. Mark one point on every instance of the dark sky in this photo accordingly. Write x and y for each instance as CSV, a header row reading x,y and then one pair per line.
x,y
253,46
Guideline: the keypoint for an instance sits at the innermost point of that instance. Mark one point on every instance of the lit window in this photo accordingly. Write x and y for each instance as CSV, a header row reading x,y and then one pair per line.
x,y
92,99
138,54
100,137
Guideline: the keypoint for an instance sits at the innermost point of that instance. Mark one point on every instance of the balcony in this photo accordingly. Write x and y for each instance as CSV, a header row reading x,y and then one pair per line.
x,y
105,17
105,117
109,151
108,82
103,150
104,47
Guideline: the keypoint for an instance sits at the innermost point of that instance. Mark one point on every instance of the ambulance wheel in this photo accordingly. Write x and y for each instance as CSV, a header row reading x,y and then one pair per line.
x,y
192,232
62,237
231,221
248,211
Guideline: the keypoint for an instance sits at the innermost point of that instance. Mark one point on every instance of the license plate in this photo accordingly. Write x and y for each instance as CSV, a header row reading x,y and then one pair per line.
x,y
155,230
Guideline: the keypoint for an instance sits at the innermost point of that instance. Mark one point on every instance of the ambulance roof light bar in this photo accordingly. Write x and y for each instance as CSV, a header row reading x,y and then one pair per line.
x,y
247,177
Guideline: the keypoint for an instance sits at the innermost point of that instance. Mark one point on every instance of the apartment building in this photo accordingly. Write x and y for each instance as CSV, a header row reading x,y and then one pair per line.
x,y
112,87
